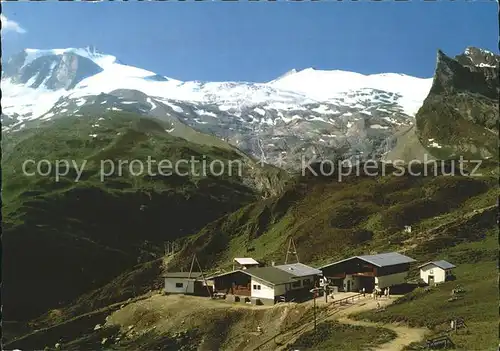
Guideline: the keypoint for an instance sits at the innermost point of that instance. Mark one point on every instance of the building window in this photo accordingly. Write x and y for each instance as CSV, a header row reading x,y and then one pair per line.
x,y
296,284
431,271
179,285
306,282
256,287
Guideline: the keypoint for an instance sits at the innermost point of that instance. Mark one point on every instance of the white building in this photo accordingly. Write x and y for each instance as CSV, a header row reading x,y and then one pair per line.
x,y
436,272
268,284
184,283
244,263
369,271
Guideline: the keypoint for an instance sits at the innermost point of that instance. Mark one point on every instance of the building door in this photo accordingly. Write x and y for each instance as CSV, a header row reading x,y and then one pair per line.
x,y
430,280
367,283
348,285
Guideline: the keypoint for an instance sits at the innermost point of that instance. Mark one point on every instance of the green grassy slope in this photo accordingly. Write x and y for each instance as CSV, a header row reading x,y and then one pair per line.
x,y
331,220
63,237
335,336
477,273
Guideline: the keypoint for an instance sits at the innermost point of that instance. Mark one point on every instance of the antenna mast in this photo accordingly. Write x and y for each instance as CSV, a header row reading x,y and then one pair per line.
x,y
292,249
202,274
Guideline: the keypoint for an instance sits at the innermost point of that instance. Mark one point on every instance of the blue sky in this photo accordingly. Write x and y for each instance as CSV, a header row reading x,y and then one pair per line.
x,y
257,41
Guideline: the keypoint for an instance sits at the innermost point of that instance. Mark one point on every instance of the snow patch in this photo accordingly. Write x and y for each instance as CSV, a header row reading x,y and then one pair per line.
x,y
80,102
225,108
321,109
293,118
48,116
175,107
378,126
260,111
20,127
205,113
150,101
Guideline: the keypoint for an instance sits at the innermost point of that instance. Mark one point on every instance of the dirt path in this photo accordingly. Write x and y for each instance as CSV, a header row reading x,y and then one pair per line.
x,y
335,312
405,336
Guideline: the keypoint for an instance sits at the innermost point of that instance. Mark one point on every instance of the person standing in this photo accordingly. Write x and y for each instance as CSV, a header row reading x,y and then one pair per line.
x,y
363,291
388,292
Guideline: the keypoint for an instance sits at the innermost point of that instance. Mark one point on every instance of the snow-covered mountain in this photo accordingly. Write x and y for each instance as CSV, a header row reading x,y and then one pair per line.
x,y
307,112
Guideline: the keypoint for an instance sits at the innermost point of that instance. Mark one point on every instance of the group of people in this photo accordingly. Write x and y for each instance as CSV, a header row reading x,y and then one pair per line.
x,y
377,292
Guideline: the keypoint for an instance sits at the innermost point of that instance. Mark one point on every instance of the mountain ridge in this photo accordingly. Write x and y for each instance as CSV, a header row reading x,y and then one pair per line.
x,y
266,120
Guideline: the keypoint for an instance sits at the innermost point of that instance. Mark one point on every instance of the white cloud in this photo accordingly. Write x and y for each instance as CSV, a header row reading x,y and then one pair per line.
x,y
9,25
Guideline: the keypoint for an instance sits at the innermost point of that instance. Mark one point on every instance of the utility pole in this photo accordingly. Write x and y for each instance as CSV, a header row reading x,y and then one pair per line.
x,y
314,310
314,291
325,287
326,291
167,248
170,247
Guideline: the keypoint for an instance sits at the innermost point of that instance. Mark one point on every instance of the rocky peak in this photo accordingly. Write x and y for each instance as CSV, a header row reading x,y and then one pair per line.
x,y
459,74
477,57
52,71
459,116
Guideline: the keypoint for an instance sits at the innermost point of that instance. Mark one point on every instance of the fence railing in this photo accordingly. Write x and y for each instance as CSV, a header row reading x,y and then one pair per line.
x,y
346,299
305,323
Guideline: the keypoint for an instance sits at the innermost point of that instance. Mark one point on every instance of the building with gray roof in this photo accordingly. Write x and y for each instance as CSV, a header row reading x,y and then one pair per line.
x,y
436,272
299,269
369,272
